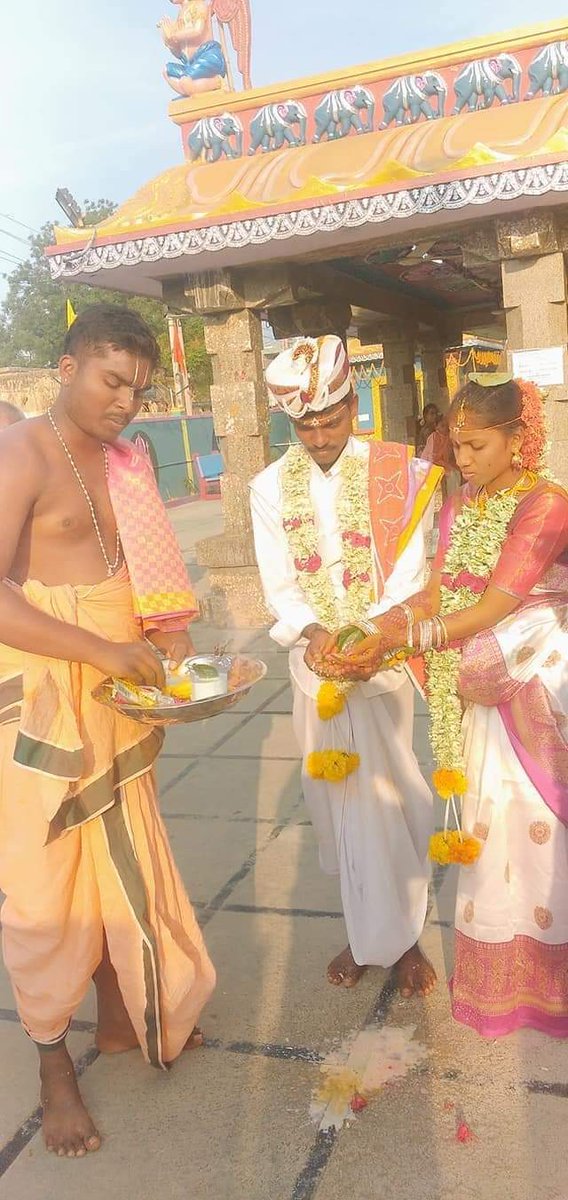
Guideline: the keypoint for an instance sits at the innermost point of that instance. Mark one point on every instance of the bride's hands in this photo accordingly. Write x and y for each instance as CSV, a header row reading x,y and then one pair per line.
x,y
363,660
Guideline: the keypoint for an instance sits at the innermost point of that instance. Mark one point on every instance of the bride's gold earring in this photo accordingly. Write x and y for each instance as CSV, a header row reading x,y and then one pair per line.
x,y
517,461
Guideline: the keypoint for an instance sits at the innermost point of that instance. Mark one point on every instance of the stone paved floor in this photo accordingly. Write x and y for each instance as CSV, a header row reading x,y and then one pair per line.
x,y
231,1122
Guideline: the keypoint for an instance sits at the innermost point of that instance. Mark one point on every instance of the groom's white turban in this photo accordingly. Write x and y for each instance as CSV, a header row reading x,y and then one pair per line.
x,y
310,376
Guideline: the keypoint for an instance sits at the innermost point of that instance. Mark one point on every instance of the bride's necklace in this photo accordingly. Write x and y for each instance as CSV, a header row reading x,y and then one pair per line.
x,y
525,483
110,566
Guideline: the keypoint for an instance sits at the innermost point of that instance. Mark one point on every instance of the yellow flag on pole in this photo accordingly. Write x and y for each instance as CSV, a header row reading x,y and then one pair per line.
x,y
71,314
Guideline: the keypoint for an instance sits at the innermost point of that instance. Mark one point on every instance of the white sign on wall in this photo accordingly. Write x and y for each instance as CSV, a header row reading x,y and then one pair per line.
x,y
543,367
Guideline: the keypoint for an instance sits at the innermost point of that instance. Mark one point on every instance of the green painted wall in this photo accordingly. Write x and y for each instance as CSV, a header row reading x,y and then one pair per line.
x,y
164,439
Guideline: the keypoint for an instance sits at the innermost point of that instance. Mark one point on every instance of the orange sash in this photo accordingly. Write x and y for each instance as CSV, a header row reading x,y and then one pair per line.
x,y
400,490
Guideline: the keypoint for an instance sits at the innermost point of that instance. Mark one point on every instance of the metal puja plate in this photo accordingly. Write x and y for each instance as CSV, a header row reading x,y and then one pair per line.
x,y
184,713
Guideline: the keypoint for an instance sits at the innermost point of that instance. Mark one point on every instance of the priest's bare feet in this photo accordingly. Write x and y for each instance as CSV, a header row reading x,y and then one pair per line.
x,y
67,1127
343,971
414,975
194,1042
195,1039
115,1031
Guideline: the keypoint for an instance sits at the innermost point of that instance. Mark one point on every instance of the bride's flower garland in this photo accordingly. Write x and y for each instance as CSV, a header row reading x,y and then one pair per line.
x,y
477,538
357,564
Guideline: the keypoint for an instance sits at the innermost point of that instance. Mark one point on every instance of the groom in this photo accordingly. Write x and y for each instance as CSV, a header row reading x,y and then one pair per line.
x,y
339,536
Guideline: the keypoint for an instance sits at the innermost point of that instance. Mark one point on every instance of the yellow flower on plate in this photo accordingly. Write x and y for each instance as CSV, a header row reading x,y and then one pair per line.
x,y
449,783
179,691
330,701
331,765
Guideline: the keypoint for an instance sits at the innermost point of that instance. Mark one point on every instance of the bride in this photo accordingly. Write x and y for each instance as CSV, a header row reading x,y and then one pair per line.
x,y
493,626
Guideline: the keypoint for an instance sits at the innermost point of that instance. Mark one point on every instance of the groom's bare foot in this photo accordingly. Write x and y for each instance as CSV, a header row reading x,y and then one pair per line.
x,y
343,971
67,1127
414,975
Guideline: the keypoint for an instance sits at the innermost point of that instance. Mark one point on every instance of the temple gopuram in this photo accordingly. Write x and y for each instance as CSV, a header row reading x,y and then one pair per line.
x,y
407,202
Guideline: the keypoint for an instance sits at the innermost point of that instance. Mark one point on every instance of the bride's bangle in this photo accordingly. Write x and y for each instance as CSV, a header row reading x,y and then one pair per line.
x,y
432,634
407,610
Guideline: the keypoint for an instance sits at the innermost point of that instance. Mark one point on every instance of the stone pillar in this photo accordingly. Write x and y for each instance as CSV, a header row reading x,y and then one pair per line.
x,y
433,370
240,417
399,396
535,299
231,302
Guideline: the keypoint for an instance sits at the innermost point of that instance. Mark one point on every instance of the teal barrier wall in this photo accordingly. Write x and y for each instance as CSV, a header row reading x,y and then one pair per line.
x,y
166,439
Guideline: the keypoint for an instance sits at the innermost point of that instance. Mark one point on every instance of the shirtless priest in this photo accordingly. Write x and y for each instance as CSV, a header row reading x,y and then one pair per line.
x,y
339,536
90,575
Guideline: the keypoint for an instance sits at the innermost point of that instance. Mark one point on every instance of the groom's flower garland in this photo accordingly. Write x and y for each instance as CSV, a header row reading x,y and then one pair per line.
x,y
477,538
357,562
354,523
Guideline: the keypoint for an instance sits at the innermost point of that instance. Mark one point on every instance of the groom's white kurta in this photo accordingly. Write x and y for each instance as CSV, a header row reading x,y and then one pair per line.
x,y
373,828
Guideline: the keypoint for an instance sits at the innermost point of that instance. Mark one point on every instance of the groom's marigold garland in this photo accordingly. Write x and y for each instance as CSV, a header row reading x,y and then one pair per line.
x,y
331,765
357,556
330,700
477,538
302,536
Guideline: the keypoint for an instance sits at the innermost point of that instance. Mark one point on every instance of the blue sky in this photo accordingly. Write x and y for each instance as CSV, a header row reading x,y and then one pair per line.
x,y
84,105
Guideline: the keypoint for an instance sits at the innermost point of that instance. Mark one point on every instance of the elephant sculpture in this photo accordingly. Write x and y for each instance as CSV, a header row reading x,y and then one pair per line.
x,y
273,126
481,82
548,72
339,112
213,138
408,98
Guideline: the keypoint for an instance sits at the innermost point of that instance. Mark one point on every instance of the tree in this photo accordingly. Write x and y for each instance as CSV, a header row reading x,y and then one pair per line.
x,y
32,317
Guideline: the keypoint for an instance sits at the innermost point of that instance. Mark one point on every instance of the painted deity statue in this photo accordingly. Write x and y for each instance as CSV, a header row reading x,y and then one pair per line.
x,y
201,64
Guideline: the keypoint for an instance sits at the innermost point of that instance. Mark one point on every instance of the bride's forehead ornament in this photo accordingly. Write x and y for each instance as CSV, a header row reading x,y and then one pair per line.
x,y
487,379
460,420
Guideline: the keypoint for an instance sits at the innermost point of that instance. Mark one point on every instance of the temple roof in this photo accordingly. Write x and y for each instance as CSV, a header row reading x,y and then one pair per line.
x,y
318,196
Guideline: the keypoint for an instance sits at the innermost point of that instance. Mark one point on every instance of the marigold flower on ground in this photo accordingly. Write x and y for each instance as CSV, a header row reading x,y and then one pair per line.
x,y
330,701
331,765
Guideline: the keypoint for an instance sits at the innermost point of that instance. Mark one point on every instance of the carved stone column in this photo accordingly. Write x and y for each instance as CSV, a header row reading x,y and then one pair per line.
x,y
240,417
399,396
535,301
432,358
231,302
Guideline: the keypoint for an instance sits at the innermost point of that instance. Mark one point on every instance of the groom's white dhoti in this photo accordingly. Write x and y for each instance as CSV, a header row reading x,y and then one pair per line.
x,y
372,828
